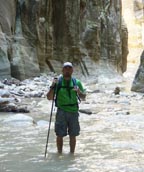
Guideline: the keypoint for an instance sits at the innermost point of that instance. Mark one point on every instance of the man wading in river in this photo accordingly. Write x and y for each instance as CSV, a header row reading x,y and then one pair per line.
x,y
68,92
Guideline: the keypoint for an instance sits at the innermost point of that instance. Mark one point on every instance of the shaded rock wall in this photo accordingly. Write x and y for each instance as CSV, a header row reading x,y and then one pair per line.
x,y
7,27
138,83
39,35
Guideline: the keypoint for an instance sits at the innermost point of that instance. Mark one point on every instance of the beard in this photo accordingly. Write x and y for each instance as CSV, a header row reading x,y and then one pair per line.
x,y
67,74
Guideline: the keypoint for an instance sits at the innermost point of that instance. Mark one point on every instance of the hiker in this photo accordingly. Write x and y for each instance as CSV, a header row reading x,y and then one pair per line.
x,y
69,91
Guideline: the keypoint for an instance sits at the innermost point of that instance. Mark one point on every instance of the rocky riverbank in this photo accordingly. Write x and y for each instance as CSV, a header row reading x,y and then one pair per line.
x,y
14,93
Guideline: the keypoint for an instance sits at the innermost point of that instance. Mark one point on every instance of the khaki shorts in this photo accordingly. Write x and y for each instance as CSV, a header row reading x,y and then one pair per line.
x,y
67,123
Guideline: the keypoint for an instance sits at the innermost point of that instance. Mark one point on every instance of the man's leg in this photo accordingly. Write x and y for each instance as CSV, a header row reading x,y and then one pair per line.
x,y
59,141
72,144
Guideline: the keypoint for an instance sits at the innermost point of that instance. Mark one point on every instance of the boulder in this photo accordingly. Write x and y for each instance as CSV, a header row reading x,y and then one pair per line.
x,y
19,120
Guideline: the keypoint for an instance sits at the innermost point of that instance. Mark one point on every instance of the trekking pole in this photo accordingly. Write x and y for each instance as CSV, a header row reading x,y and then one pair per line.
x,y
50,122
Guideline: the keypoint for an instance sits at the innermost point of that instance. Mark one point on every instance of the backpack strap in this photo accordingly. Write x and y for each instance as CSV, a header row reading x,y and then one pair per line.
x,y
75,85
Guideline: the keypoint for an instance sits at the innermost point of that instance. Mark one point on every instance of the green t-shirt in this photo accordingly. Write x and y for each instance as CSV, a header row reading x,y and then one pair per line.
x,y
66,97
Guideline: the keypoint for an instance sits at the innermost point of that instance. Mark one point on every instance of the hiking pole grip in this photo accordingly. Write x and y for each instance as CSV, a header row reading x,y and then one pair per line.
x,y
50,122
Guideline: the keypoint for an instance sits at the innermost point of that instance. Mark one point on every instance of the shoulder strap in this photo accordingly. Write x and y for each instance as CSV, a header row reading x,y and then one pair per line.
x,y
59,85
75,84
74,81
59,82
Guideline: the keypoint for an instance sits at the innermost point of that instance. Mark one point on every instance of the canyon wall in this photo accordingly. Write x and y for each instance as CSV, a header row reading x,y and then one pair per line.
x,y
138,83
37,36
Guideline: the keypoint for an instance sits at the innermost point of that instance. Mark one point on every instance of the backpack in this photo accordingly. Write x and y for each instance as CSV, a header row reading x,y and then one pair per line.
x,y
59,86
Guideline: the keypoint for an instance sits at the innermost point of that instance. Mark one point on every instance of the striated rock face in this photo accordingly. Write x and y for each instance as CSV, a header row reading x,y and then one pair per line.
x,y
39,35
138,83
138,9
7,27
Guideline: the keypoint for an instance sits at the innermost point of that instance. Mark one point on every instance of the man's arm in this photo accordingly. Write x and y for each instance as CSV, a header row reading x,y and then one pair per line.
x,y
80,90
50,94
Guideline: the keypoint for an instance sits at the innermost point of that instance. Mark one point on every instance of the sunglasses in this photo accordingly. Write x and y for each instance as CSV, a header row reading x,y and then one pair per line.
x,y
67,67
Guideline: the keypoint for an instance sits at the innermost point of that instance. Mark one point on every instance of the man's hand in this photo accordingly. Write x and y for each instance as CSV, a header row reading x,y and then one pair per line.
x,y
55,80
76,88
50,94
79,92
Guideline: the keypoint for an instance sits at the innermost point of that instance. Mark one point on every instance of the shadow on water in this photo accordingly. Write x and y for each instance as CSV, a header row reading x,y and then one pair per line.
x,y
55,162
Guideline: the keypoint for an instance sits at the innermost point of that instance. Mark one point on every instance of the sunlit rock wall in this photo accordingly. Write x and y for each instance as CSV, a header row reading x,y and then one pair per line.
x,y
138,83
139,19
39,35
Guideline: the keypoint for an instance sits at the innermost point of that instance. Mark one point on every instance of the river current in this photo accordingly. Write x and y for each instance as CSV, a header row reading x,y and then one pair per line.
x,y
111,139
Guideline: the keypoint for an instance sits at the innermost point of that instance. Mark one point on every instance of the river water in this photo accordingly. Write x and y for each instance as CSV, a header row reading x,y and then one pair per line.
x,y
111,139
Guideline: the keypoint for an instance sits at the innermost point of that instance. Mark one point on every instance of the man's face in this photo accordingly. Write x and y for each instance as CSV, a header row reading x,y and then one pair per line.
x,y
67,71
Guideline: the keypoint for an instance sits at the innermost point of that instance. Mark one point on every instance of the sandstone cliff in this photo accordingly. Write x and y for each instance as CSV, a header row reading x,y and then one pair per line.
x,y
39,35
